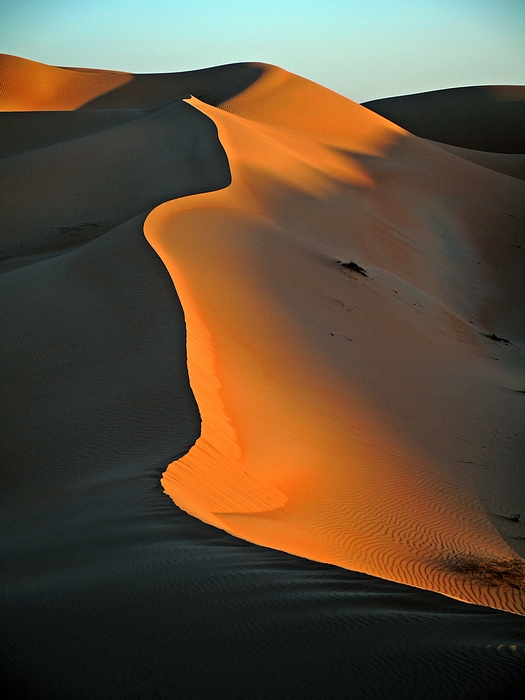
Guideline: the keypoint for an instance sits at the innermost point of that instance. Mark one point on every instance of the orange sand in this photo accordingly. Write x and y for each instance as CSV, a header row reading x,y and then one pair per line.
x,y
29,85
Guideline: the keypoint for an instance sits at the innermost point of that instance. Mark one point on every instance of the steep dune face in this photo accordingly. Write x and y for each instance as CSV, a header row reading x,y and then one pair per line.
x,y
362,420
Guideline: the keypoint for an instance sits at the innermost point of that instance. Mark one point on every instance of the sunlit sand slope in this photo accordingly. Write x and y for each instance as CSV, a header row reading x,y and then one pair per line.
x,y
338,296
29,85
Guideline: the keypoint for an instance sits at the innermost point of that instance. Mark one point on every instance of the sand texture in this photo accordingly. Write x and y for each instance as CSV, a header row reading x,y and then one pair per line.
x,y
312,321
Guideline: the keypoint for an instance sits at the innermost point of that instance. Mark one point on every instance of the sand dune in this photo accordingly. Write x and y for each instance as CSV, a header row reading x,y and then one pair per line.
x,y
483,125
512,164
28,85
353,301
366,444
485,118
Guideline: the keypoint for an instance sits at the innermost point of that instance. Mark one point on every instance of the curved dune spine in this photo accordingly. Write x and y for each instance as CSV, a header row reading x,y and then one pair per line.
x,y
287,458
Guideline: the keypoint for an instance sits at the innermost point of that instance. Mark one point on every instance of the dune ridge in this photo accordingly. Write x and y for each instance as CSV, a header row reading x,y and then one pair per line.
x,y
28,85
360,488
112,170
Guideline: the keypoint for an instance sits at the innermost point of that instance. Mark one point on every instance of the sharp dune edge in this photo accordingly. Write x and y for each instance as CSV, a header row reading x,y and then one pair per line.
x,y
353,297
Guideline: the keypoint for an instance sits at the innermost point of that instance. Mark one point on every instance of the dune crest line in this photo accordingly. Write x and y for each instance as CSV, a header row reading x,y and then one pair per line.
x,y
339,411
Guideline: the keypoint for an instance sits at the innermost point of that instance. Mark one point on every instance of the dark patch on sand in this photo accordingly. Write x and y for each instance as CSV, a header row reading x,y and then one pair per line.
x,y
353,266
489,571
497,338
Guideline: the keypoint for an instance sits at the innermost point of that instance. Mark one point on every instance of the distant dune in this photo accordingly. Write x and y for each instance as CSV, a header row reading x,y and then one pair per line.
x,y
481,124
343,380
486,118
28,85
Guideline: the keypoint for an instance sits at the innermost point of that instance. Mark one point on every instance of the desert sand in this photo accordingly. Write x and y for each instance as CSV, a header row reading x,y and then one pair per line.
x,y
342,382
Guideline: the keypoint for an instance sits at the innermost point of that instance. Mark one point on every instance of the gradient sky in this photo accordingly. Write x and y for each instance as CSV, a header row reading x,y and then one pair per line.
x,y
362,49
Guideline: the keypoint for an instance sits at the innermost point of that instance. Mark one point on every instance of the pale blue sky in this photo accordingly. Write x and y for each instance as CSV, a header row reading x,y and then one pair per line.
x,y
362,49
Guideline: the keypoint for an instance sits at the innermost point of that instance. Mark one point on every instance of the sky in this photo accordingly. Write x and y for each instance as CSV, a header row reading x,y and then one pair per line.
x,y
362,49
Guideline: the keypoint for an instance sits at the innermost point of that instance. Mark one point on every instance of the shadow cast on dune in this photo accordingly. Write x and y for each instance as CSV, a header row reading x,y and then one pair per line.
x,y
483,125
99,173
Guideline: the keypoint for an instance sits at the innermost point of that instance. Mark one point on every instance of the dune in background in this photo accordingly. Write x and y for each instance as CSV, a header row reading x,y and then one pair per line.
x,y
28,85
353,302
484,118
483,125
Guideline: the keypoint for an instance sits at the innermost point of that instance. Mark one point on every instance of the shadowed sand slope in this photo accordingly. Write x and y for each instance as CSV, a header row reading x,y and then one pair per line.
x,y
362,420
512,164
26,131
101,173
484,125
